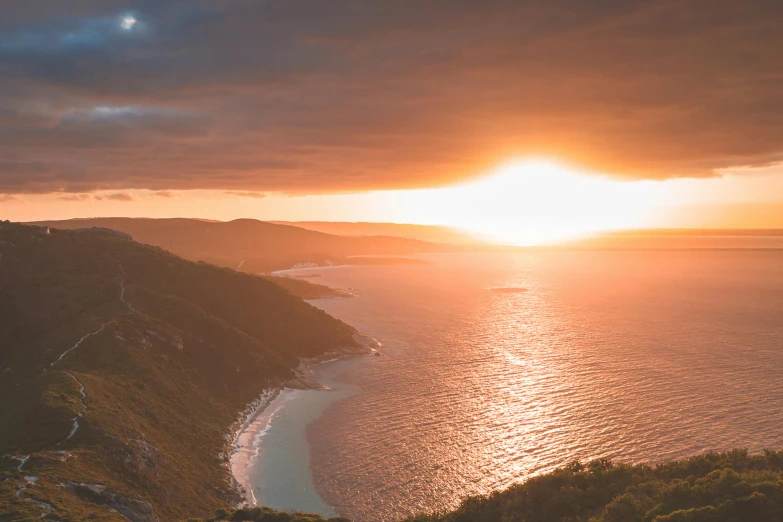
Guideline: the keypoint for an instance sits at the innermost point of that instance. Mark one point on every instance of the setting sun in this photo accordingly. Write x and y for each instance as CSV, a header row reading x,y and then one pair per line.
x,y
538,202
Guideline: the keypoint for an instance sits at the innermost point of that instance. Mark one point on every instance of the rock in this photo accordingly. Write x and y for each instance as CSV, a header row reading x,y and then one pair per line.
x,y
146,456
367,344
300,383
133,510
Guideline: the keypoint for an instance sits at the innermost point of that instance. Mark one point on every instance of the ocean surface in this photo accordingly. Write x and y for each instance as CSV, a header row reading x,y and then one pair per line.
x,y
639,356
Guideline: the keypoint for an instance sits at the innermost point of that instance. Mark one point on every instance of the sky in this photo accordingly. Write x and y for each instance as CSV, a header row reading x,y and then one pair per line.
x,y
388,109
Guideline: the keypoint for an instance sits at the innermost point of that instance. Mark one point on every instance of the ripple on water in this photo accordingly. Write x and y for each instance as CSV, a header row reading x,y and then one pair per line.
x,y
635,356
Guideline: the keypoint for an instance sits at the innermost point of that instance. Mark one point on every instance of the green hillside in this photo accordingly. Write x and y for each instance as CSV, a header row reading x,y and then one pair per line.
x,y
122,369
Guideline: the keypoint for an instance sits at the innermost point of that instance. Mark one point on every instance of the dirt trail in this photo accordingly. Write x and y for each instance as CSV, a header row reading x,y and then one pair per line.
x,y
31,479
80,414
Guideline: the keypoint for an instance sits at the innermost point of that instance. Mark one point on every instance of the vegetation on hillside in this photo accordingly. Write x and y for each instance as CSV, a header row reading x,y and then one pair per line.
x,y
306,289
715,487
264,514
122,368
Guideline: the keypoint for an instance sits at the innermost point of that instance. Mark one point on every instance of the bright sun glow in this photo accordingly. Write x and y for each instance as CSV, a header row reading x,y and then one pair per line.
x,y
541,202
127,23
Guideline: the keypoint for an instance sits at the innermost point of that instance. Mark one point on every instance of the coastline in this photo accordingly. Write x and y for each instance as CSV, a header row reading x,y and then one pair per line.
x,y
357,260
242,443
255,422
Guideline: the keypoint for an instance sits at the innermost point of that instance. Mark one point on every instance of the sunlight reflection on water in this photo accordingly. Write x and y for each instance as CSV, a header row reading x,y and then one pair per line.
x,y
635,356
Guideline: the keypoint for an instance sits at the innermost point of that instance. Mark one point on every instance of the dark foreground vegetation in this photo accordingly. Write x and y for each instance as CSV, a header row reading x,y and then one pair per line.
x,y
122,369
716,487
264,514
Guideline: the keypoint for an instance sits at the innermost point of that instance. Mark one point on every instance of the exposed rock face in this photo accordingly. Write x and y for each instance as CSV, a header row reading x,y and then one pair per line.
x,y
133,510
146,456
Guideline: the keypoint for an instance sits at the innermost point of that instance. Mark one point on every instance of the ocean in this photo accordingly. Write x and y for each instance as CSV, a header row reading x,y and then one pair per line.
x,y
497,367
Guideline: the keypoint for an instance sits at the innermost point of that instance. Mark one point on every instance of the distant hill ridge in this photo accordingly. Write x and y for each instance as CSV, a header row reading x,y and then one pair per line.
x,y
251,245
430,233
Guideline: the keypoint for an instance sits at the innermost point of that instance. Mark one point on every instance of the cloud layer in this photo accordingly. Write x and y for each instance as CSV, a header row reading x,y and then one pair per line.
x,y
307,97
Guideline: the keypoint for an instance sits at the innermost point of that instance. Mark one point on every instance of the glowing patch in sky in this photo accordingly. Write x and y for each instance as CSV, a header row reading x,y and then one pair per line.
x,y
127,23
530,203
539,202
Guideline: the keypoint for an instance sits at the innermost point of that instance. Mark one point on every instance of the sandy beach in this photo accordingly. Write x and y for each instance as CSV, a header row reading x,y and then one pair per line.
x,y
251,426
271,456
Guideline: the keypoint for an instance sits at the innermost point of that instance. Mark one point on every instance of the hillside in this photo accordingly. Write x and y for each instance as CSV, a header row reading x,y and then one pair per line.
x,y
122,369
306,289
250,245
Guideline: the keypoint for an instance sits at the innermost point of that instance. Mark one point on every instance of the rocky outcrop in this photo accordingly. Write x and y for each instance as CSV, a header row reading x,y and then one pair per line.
x,y
132,509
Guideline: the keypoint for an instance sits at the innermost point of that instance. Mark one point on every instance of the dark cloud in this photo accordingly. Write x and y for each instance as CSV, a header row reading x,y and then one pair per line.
x,y
307,96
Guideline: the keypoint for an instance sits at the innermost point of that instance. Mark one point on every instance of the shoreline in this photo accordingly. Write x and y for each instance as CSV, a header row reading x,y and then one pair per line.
x,y
405,259
241,443
256,419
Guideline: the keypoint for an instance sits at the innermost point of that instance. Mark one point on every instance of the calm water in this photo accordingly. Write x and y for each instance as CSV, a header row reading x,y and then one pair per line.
x,y
637,356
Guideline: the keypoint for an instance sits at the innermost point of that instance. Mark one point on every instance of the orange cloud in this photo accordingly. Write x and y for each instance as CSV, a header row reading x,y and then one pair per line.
x,y
116,196
246,194
74,197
